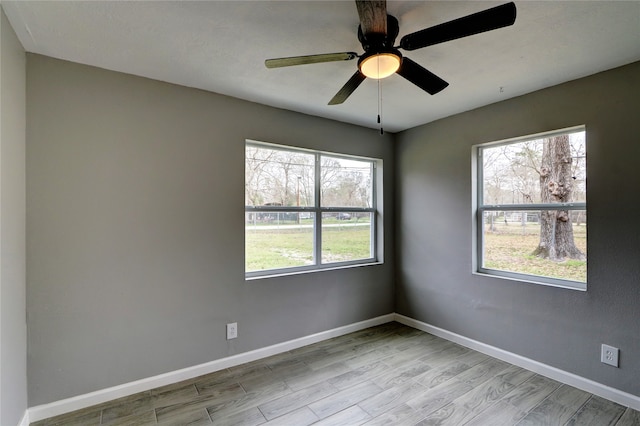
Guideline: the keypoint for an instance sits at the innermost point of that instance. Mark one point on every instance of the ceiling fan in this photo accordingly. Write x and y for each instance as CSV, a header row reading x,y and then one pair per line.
x,y
377,33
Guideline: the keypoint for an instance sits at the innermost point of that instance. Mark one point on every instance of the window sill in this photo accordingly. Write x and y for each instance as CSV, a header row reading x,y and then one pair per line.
x,y
277,274
549,282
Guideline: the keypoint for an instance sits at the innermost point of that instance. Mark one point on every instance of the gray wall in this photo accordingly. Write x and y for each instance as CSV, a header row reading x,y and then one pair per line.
x,y
562,328
13,328
135,241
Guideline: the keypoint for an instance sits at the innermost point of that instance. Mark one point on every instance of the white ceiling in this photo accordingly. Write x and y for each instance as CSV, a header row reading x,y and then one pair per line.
x,y
220,46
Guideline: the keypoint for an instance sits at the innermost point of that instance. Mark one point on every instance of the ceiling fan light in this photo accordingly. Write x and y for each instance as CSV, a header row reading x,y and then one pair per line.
x,y
379,65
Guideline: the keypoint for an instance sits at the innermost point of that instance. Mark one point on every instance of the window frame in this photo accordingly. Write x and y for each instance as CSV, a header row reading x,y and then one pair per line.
x,y
318,210
479,208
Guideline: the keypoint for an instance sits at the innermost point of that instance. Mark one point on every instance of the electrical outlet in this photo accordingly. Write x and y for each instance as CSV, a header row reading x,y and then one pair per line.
x,y
232,330
609,355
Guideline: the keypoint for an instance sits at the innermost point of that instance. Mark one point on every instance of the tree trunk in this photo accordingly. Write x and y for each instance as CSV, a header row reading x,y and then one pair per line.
x,y
556,230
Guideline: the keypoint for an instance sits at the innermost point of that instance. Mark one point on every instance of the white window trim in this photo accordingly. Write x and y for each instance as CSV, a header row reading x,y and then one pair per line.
x,y
375,211
478,209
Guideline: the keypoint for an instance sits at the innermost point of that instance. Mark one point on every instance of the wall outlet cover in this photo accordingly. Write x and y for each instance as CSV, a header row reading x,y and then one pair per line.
x,y
609,355
232,330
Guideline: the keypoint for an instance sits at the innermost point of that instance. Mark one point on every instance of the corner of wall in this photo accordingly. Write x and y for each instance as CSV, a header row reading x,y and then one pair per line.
x,y
13,329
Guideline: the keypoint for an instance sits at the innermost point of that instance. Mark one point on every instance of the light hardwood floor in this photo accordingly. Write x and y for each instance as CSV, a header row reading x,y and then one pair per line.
x,y
385,375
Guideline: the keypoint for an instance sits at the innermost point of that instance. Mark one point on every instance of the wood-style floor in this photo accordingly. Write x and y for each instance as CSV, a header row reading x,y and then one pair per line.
x,y
385,375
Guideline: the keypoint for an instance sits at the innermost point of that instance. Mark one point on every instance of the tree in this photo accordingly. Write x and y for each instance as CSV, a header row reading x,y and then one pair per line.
x,y
256,161
277,177
556,178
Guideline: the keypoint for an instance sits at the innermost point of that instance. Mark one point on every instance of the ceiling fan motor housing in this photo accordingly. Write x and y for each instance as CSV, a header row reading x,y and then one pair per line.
x,y
374,41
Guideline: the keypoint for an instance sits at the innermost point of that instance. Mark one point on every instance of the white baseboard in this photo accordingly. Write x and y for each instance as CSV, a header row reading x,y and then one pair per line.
x,y
68,405
612,394
25,419
45,411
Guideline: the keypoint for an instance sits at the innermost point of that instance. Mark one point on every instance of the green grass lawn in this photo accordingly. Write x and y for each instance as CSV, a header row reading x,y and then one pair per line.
x,y
509,248
285,248
289,247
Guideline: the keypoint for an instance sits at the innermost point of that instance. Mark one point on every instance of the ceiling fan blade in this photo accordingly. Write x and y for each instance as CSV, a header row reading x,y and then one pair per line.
x,y
373,16
487,20
348,88
309,59
421,77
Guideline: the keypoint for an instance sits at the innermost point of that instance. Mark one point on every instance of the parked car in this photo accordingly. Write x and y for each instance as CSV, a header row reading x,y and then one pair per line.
x,y
344,216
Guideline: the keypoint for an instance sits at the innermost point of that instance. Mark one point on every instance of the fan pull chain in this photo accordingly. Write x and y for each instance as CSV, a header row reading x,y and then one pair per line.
x,y
380,102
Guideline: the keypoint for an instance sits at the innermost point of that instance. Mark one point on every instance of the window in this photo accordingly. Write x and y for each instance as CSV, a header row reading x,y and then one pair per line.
x,y
531,217
307,210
